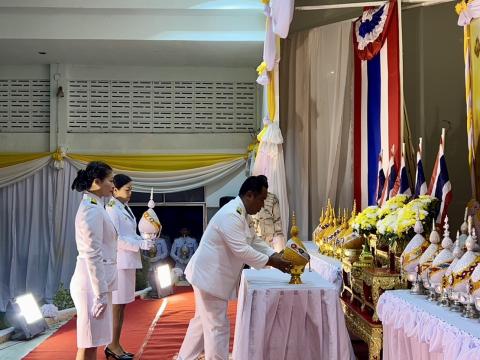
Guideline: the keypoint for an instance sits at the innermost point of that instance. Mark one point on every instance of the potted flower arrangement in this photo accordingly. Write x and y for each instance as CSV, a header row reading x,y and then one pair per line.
x,y
396,228
365,222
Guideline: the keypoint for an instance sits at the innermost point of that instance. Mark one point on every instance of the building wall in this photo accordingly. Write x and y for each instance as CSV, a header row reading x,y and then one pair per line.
x,y
123,143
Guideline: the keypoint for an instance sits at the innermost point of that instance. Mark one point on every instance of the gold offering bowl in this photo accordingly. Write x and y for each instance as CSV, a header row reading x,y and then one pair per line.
x,y
296,272
298,265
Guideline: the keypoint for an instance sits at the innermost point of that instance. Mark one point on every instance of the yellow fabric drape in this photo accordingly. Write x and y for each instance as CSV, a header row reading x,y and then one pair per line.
x,y
472,34
10,159
156,163
271,95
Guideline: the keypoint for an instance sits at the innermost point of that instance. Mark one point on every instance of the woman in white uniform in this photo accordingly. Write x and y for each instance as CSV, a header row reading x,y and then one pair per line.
x,y
128,258
95,275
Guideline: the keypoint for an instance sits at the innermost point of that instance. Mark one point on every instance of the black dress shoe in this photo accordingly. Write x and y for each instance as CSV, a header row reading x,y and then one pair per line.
x,y
109,353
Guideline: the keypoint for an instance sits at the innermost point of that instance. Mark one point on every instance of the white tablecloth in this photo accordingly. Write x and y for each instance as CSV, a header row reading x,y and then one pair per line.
x,y
421,330
279,321
328,268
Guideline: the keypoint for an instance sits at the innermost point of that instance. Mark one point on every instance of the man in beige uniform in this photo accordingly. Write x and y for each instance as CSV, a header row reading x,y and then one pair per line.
x,y
268,223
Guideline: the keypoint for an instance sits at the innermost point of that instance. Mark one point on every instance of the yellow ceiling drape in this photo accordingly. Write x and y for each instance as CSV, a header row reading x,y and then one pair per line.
x,y
155,163
9,159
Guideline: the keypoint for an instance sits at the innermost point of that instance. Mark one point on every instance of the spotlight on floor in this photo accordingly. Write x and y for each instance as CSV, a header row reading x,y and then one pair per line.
x,y
164,280
25,316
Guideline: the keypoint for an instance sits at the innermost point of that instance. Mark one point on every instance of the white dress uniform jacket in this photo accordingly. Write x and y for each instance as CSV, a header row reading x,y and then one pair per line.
x,y
96,239
227,244
95,271
128,255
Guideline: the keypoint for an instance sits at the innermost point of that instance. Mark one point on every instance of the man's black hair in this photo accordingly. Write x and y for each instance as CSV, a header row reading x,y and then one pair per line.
x,y
254,184
264,179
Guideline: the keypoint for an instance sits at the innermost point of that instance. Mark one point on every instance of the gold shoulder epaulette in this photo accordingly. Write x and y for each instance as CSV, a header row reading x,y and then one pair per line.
x,y
111,203
94,201
239,210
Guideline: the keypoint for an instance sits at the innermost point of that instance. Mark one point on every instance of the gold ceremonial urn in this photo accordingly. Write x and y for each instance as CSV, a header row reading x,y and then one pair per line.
x,y
296,253
296,273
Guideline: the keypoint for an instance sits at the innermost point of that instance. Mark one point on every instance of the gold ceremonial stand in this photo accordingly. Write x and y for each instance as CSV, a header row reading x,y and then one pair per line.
x,y
364,281
362,326
366,273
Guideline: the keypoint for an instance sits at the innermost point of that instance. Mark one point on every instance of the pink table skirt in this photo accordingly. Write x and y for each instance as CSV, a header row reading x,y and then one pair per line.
x,y
276,320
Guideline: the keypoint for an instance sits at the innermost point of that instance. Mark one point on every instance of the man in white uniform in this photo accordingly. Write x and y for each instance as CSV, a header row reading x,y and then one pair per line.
x,y
177,253
215,269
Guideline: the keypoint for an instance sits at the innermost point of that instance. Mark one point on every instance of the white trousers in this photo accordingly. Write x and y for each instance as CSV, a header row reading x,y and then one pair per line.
x,y
208,331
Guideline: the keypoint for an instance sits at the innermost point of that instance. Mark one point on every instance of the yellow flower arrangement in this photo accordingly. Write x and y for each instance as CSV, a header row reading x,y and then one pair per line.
x,y
365,222
397,218
392,204
399,223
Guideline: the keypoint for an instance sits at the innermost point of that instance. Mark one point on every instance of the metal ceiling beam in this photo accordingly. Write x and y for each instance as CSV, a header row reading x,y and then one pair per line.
x,y
409,4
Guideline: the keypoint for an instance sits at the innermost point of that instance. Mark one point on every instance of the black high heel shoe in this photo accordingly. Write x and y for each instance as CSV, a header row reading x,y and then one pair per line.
x,y
109,353
129,354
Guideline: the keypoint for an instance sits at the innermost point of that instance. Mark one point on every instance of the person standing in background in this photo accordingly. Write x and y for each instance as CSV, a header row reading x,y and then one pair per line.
x,y
183,249
268,222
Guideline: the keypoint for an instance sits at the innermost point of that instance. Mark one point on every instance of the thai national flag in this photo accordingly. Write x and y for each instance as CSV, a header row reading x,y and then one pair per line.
x,y
388,188
377,100
440,185
392,175
381,178
402,187
420,182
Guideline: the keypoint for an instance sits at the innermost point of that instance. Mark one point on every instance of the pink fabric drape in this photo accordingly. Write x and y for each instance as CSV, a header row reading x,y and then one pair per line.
x,y
418,329
278,321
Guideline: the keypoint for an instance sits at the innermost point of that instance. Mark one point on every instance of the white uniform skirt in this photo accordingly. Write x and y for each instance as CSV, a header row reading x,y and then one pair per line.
x,y
91,332
125,292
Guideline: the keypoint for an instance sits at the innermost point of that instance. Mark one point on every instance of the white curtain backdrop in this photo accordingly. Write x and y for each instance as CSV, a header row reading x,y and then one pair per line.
x,y
37,233
173,181
12,174
316,111
163,181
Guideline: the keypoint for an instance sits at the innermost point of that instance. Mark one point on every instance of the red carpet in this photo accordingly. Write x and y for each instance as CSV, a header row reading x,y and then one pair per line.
x,y
162,342
167,336
63,343
150,340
